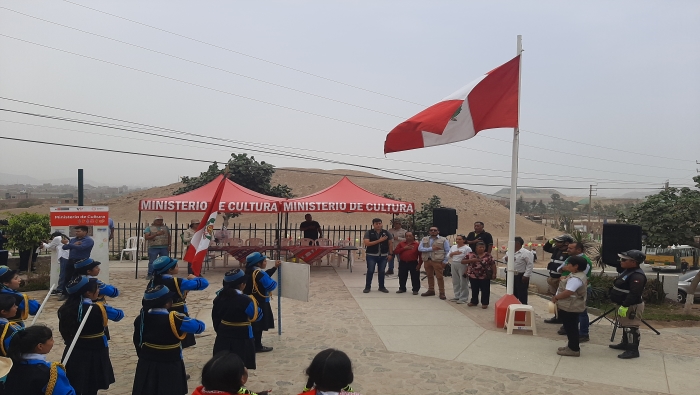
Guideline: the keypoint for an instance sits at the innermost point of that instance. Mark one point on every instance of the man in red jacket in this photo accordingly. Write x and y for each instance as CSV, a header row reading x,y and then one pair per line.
x,y
409,262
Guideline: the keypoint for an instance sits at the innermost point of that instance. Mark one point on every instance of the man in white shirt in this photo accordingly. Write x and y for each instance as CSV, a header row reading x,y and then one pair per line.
x,y
524,263
62,256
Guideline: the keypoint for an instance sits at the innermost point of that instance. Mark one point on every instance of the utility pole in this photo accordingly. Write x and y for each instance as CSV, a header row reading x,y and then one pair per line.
x,y
590,204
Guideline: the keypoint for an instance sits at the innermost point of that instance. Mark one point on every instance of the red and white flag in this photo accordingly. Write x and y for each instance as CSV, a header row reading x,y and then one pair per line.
x,y
489,102
197,250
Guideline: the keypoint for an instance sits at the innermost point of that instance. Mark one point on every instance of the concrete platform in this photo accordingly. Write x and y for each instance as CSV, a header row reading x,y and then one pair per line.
x,y
428,326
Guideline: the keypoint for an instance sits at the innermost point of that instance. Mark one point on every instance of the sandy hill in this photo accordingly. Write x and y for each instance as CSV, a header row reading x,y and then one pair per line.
x,y
470,206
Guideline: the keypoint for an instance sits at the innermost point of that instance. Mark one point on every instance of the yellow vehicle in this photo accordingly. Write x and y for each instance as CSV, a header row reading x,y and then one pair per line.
x,y
672,258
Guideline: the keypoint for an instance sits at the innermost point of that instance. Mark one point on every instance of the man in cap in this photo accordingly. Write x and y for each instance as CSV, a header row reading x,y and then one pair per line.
x,y
187,236
158,238
627,292
558,248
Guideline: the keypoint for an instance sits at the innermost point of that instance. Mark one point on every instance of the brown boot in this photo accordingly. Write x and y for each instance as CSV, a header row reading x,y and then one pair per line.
x,y
443,297
428,293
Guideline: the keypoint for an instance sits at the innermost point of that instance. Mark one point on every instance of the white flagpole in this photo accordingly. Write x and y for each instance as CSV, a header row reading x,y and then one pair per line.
x,y
514,185
41,308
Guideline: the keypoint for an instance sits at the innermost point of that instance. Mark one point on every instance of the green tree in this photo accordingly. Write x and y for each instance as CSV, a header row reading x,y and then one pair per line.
x,y
26,231
541,208
244,170
669,217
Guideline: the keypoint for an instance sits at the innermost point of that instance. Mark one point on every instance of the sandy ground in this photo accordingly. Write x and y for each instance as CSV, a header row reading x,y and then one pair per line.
x,y
470,206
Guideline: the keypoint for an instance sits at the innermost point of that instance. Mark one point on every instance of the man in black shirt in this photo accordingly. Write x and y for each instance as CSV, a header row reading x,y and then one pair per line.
x,y
479,234
311,229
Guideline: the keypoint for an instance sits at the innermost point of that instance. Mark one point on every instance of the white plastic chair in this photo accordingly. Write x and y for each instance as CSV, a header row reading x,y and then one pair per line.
x,y
131,247
305,242
255,242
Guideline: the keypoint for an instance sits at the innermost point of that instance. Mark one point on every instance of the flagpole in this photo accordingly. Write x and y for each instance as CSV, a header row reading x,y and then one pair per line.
x,y
514,185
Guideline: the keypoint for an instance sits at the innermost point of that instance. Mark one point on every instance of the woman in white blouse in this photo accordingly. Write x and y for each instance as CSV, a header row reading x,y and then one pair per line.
x,y
460,284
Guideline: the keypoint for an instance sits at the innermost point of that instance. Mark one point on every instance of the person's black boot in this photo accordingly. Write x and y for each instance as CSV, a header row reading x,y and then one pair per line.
x,y
623,344
633,344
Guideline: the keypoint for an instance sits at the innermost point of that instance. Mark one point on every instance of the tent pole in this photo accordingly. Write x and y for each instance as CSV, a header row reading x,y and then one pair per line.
x,y
176,243
138,244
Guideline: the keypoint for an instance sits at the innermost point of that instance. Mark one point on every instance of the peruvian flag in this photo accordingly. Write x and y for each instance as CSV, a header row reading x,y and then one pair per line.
x,y
491,101
197,250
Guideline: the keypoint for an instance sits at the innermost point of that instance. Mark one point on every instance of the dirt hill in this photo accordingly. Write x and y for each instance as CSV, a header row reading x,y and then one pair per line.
x,y
469,205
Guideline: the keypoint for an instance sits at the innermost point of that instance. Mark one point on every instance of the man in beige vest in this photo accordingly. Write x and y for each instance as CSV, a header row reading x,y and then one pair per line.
x,y
435,251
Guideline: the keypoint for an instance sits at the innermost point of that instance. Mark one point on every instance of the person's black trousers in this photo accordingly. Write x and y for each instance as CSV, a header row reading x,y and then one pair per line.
x,y
520,289
404,269
570,321
24,258
483,286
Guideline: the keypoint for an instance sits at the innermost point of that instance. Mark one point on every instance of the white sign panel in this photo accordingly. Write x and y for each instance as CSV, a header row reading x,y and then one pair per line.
x,y
295,281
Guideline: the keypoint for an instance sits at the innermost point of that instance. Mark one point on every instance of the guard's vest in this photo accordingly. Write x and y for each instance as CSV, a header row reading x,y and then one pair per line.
x,y
433,255
381,248
576,303
621,286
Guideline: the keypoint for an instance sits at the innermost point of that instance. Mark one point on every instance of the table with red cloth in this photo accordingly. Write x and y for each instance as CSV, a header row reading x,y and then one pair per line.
x,y
240,252
307,254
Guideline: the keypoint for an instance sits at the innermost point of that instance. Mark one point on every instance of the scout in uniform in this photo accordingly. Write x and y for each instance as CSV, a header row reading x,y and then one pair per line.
x,y
164,271
259,284
8,309
232,316
89,368
10,282
91,269
158,334
31,374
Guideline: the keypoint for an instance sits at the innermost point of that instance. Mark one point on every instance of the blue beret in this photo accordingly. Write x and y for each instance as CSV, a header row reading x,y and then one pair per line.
x,y
86,262
77,284
254,258
156,292
163,264
233,275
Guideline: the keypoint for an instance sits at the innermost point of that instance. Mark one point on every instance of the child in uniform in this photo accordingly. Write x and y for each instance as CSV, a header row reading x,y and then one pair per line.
x,y
157,336
8,309
232,315
164,271
10,284
259,284
31,374
89,368
91,269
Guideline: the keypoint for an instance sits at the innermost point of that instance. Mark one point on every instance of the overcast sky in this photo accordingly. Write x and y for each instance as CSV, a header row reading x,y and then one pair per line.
x,y
290,77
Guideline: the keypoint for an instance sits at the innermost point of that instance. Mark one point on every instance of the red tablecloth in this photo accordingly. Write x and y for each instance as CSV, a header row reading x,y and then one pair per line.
x,y
240,253
310,253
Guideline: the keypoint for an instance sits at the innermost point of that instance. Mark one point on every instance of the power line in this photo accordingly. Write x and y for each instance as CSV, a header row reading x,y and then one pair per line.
x,y
266,150
646,154
247,55
175,131
195,84
206,65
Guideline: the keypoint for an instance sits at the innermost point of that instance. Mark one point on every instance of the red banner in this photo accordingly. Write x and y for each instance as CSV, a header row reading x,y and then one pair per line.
x,y
86,217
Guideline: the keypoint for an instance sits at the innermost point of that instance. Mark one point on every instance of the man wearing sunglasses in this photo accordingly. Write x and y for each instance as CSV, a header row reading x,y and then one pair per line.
x,y
435,251
627,292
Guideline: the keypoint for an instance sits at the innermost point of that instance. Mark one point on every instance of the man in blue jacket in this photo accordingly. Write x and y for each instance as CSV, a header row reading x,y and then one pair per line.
x,y
79,248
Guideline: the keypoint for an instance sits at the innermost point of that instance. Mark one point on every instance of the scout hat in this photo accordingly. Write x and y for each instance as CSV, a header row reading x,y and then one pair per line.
x,y
163,264
87,264
565,238
254,258
78,285
5,366
235,276
6,274
157,296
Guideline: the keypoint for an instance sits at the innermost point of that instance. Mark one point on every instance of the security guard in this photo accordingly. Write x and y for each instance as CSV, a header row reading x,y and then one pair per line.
x,y
627,292
557,247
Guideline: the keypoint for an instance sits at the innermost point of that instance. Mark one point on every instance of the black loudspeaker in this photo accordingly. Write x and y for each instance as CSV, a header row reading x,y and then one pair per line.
x,y
619,238
446,220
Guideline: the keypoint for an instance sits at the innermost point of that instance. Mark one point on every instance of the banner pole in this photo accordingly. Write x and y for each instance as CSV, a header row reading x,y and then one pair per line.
x,y
77,335
41,308
514,184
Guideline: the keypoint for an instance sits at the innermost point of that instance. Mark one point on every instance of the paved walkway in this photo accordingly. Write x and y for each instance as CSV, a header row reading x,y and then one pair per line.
x,y
400,344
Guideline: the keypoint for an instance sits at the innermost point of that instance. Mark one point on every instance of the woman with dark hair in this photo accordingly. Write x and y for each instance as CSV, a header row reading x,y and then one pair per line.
x,y
330,372
9,284
259,285
224,374
8,309
165,270
480,271
89,368
31,374
571,302
232,315
157,336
